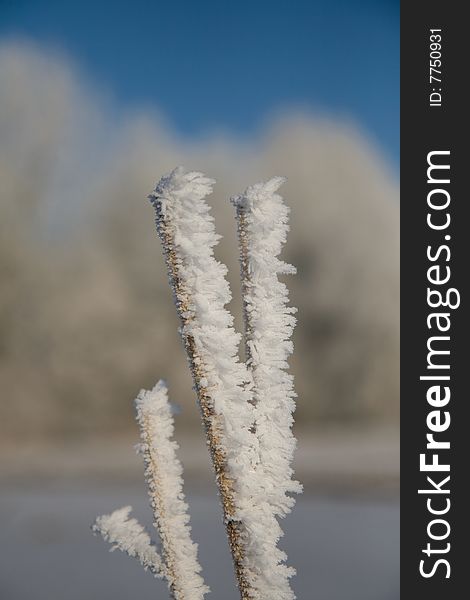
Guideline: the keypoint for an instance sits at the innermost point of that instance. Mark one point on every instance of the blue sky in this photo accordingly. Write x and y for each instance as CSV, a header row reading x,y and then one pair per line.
x,y
215,65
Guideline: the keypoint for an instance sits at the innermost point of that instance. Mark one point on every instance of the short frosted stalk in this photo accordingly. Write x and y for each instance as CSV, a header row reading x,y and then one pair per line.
x,y
177,559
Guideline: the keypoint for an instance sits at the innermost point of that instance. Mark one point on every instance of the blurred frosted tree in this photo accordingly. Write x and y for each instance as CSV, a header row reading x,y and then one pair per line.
x,y
74,253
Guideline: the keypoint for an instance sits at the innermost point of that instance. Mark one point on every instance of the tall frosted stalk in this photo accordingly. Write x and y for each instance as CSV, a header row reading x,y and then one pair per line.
x,y
262,219
201,292
246,408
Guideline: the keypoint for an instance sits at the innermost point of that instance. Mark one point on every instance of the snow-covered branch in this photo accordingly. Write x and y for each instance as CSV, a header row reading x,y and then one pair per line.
x,y
246,408
262,220
126,534
163,472
247,412
222,383
178,562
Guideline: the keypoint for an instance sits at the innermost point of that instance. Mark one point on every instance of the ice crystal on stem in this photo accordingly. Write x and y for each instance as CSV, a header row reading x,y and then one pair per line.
x,y
248,465
126,534
163,472
262,220
200,290
269,322
247,408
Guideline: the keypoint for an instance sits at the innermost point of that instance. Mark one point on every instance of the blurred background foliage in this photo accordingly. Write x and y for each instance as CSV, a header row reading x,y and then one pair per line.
x,y
86,315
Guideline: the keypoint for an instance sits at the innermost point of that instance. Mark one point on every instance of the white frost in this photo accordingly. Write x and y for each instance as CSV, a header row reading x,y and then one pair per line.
x,y
163,472
183,205
257,445
269,322
128,535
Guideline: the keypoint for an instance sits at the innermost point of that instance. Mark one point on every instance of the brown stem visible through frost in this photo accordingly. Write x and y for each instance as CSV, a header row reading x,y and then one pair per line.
x,y
209,417
152,476
244,275
242,231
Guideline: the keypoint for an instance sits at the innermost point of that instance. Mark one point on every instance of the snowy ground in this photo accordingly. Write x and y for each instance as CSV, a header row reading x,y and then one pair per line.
x,y
342,548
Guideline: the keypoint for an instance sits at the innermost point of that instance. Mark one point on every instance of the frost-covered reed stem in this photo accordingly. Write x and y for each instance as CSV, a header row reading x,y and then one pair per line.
x,y
200,292
242,230
163,473
127,535
177,559
262,219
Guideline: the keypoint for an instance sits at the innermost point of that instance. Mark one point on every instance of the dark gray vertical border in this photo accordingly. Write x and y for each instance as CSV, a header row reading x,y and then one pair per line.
x,y
425,129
